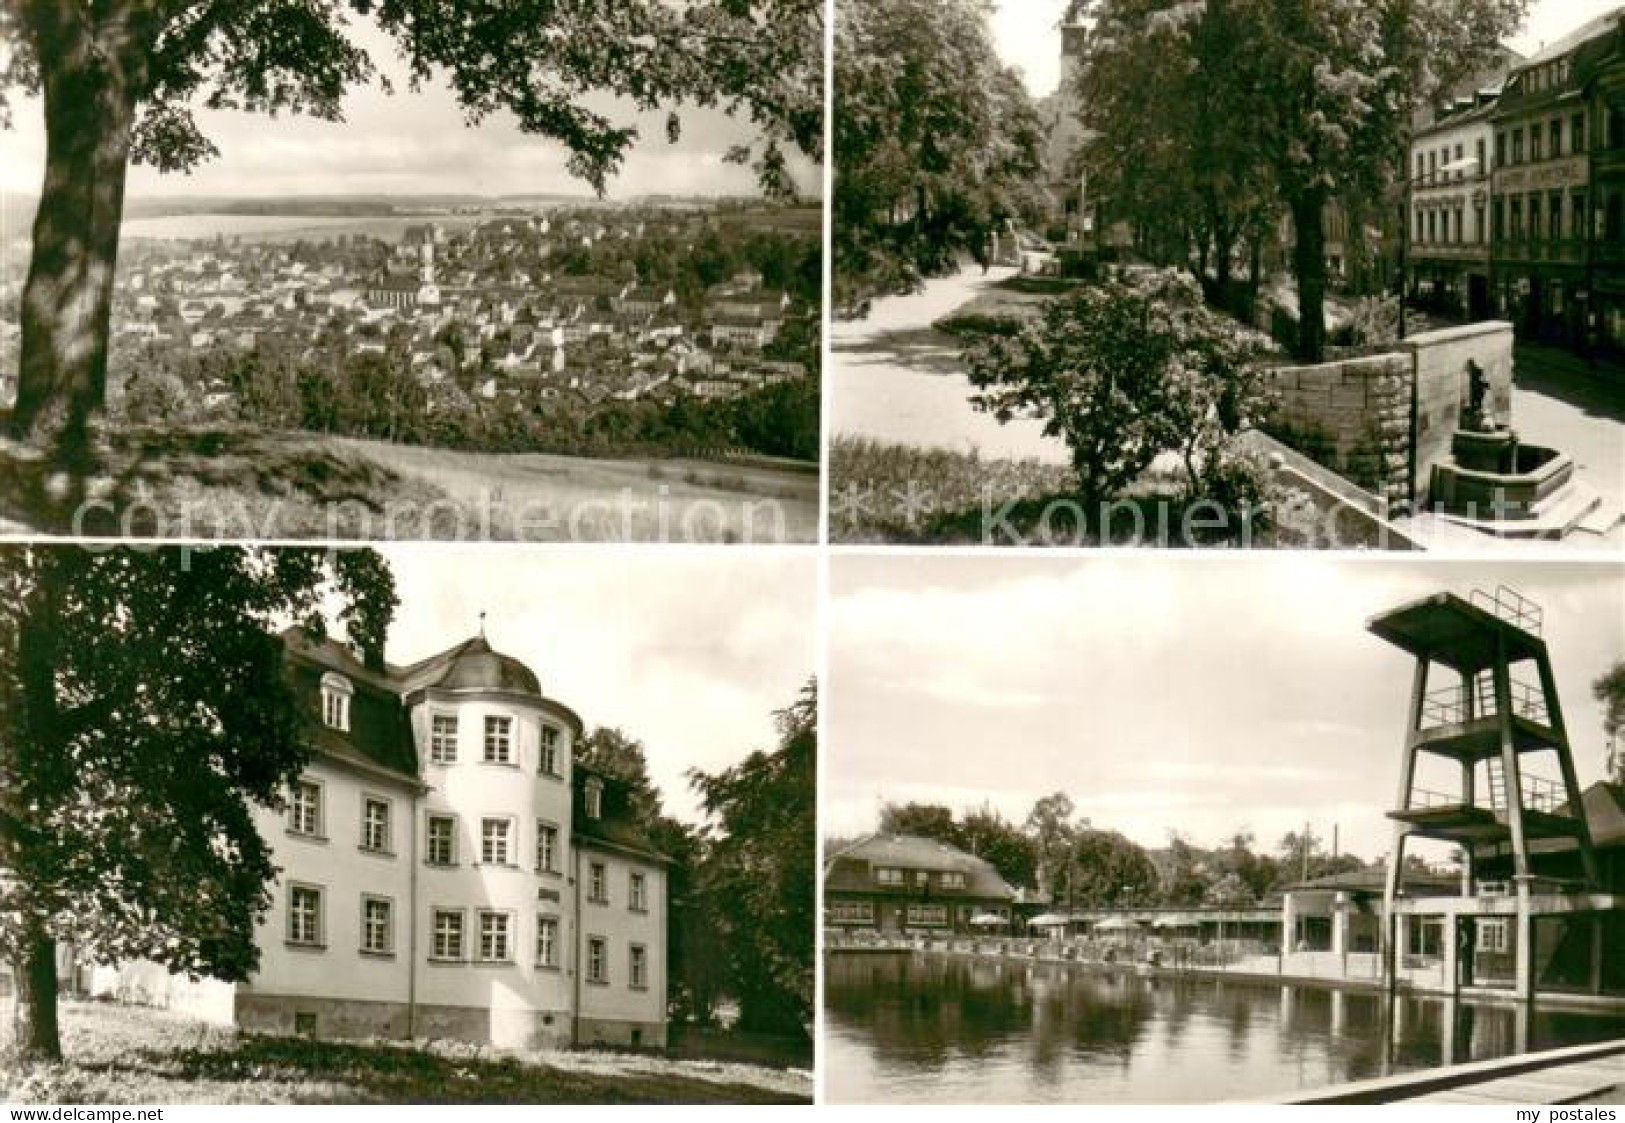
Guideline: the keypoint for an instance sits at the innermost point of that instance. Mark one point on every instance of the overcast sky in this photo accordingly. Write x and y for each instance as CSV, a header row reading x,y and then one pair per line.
x,y
1027,39
415,143
688,652
1159,693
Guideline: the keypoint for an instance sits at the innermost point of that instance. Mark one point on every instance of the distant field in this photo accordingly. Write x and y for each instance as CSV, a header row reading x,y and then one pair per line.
x,y
291,227
286,227
790,220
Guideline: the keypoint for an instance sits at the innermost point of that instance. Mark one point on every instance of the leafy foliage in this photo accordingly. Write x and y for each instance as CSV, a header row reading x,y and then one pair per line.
x,y
936,142
121,80
759,871
1126,371
984,833
1316,107
1609,689
144,713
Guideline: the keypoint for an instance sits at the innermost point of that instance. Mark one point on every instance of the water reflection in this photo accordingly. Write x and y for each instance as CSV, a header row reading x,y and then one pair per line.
x,y
927,1027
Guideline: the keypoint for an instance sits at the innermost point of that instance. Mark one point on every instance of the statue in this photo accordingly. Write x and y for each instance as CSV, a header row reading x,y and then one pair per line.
x,y
1474,415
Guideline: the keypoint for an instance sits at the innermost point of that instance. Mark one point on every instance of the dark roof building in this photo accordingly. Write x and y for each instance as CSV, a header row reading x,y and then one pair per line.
x,y
894,883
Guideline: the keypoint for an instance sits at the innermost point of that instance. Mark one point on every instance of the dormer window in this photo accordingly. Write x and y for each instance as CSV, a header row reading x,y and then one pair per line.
x,y
595,798
336,693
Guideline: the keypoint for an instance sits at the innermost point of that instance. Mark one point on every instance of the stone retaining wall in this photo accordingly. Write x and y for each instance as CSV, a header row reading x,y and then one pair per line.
x,y
1354,416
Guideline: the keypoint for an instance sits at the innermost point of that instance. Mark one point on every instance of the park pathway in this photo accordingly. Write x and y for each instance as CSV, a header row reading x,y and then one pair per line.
x,y
898,380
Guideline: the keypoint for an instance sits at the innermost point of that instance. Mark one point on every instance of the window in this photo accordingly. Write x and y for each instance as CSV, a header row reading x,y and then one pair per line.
x,y
1555,132
494,841
441,841
1460,172
594,796
1534,144
447,941
498,740
305,915
336,691
637,973
1577,133
1433,167
1497,220
495,943
1421,165
1478,223
1460,236
597,884
550,751
1517,220
636,893
1500,149
1554,215
1420,227
928,914
305,808
375,824
547,847
597,960
852,912
377,925
1534,217
1492,936
443,739
889,876
1577,215
547,941
1483,168
953,880
1517,146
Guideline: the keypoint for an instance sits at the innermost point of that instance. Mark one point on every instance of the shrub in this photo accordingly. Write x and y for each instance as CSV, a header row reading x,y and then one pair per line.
x,y
1127,371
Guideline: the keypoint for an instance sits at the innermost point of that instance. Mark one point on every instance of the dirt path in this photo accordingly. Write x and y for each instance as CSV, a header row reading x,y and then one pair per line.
x,y
899,381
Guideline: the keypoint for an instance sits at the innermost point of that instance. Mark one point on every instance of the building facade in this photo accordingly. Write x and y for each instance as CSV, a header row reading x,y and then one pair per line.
x,y
448,869
1448,263
1545,124
902,883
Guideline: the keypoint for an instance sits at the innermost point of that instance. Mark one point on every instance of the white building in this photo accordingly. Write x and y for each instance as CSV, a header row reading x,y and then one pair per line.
x,y
447,870
1451,165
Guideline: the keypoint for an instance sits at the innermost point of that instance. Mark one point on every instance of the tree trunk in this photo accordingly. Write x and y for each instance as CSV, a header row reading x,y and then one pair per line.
x,y
67,300
1309,264
37,1034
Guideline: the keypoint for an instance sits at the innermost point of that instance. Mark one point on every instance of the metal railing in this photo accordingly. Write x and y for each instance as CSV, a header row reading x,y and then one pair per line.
x,y
1448,705
1539,794
1511,606
1425,799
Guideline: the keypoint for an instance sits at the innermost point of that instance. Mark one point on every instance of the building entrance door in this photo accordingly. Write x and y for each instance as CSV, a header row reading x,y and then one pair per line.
x,y
1478,297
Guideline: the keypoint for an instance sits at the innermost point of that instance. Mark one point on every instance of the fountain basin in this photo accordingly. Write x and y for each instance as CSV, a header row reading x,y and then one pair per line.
x,y
1493,477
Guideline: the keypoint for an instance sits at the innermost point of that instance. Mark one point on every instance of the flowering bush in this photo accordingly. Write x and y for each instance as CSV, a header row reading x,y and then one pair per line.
x,y
1128,371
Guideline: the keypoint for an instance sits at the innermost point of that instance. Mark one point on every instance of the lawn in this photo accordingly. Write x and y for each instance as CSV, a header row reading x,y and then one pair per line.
x,y
133,1055
236,481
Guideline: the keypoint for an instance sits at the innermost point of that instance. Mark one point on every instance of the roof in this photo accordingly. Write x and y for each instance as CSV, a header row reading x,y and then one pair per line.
x,y
615,828
1591,29
380,734
851,869
1373,879
471,665
1604,804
